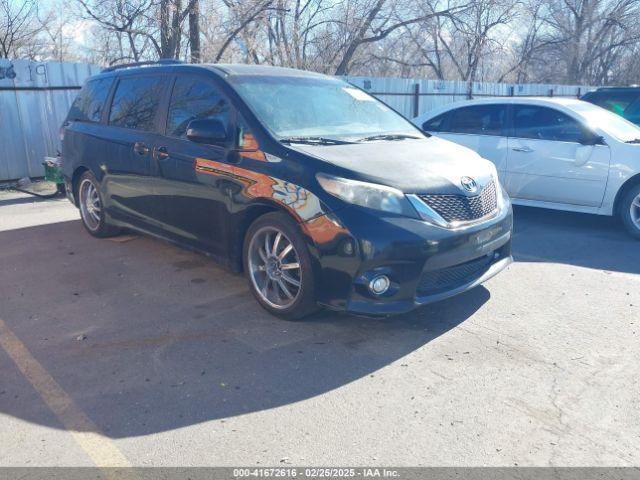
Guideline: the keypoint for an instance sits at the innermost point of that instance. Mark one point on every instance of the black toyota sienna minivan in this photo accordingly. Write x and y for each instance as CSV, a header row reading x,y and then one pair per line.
x,y
321,194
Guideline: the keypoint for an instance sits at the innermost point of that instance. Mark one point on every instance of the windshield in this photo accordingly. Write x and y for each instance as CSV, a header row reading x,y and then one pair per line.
x,y
312,107
611,123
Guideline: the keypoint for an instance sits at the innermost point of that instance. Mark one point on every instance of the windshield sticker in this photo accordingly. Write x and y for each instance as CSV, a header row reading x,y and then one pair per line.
x,y
358,94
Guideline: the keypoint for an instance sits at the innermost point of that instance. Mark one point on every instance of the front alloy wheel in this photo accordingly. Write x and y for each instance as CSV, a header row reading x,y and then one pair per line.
x,y
278,267
635,212
274,267
631,211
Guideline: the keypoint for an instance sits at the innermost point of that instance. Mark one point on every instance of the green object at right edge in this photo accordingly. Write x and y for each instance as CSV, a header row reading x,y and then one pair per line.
x,y
53,172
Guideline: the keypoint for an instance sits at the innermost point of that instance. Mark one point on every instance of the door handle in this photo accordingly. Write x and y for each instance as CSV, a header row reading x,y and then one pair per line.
x,y
161,153
522,149
140,148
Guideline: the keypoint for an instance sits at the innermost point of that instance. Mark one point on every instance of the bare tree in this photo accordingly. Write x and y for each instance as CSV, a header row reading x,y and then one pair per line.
x,y
587,36
130,23
377,21
576,41
171,17
241,15
194,32
18,26
296,33
470,39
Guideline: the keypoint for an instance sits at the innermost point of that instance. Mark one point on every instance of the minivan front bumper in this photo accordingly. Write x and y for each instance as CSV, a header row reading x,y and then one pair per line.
x,y
425,263
365,306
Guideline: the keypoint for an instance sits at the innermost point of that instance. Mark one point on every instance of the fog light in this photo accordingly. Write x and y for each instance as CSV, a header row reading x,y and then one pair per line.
x,y
380,284
348,247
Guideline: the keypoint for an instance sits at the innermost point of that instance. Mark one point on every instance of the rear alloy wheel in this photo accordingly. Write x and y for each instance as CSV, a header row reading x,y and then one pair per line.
x,y
279,268
630,211
91,207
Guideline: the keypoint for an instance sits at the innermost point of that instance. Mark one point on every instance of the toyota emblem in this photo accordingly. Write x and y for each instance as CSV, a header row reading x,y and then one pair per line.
x,y
469,184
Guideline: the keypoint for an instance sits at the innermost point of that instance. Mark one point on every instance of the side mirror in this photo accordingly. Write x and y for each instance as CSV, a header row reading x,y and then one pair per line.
x,y
591,139
208,131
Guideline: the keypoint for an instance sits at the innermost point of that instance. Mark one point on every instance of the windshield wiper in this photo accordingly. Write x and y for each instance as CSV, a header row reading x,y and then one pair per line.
x,y
635,140
314,140
388,136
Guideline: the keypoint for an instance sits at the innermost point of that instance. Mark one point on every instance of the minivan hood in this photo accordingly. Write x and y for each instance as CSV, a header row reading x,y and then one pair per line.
x,y
429,165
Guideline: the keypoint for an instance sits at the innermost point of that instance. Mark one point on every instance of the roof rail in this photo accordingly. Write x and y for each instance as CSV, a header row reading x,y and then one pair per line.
x,y
162,61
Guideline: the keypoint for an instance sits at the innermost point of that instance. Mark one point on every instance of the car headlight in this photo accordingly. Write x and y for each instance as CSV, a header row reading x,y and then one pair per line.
x,y
369,195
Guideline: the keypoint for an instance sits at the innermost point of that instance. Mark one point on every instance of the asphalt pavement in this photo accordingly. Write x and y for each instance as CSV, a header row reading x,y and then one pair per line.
x,y
131,351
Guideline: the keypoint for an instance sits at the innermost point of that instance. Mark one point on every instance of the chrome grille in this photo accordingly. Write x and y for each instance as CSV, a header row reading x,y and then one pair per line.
x,y
460,208
436,281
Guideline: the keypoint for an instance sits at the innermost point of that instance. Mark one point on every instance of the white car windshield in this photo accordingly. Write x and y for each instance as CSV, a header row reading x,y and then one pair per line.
x,y
295,107
613,124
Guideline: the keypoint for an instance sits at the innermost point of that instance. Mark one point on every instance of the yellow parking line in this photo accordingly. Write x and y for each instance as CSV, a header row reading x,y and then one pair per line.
x,y
100,449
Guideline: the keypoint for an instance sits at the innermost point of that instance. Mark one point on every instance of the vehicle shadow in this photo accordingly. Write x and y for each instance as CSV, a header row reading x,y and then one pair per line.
x,y
146,337
12,197
583,240
21,199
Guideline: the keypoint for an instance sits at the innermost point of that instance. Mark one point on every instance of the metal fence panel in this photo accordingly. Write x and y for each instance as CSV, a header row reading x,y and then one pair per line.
x,y
415,96
12,147
34,100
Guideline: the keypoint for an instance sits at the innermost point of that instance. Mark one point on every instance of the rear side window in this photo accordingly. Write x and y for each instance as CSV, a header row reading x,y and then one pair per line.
x,y
542,123
478,120
436,124
89,104
136,102
194,99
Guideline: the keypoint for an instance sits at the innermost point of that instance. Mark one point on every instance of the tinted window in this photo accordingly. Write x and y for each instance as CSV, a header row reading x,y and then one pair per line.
x,y
435,124
135,102
89,104
632,113
616,101
478,120
194,99
545,124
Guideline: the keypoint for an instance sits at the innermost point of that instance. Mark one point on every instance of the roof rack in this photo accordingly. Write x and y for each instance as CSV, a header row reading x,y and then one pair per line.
x,y
162,61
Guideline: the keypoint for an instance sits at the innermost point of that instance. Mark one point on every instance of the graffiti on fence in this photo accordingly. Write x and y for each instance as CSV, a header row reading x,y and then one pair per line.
x,y
7,72
35,70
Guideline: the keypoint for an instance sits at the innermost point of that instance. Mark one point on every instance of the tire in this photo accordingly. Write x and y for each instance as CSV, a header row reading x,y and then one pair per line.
x,y
90,202
272,272
630,211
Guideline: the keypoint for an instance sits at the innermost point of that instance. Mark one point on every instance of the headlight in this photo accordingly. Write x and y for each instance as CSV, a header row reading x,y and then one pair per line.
x,y
370,195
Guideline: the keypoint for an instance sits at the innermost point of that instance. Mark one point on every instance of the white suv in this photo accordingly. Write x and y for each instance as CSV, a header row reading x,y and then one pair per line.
x,y
555,153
